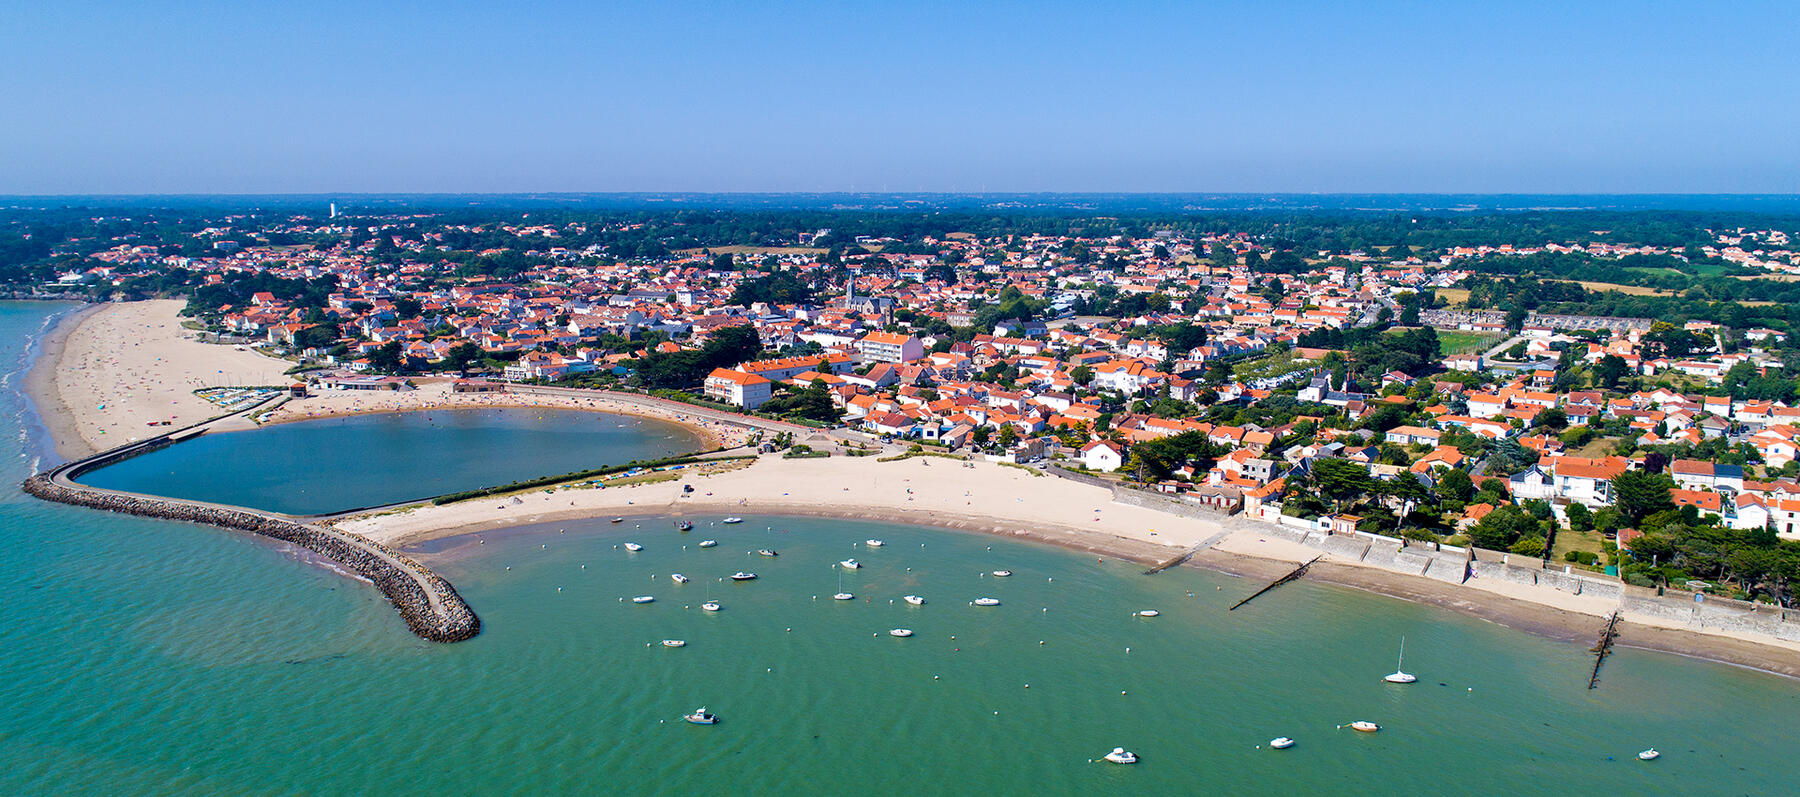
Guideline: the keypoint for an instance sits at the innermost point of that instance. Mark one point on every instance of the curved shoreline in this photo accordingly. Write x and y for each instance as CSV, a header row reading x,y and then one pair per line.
x,y
429,605
710,438
40,391
1242,553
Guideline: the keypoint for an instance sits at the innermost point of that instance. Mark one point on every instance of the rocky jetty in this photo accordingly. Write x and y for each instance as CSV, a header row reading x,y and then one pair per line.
x,y
430,606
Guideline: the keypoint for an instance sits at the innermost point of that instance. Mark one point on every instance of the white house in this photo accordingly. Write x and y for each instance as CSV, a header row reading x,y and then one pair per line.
x,y
890,347
1530,483
1103,455
736,387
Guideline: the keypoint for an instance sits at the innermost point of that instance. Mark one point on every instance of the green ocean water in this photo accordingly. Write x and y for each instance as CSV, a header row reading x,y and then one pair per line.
x,y
335,464
146,657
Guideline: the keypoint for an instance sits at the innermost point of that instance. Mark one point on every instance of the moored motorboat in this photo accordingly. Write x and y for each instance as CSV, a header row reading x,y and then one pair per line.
x,y
734,520
678,578
987,601
1148,613
633,547
1120,755
874,543
902,632
1365,726
701,717
674,643
849,564
766,552
644,599
1649,755
708,543
914,600
684,525
1002,573
743,576
1281,743
618,520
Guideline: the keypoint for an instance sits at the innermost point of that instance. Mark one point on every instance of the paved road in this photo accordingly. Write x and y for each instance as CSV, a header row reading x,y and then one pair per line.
x,y
1504,345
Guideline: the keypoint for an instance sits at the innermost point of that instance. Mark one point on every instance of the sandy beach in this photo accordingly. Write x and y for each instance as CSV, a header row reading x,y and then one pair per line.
x,y
994,499
135,360
125,365
108,371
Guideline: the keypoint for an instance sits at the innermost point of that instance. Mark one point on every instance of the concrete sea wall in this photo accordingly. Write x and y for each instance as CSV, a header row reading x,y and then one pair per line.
x,y
428,604
1457,566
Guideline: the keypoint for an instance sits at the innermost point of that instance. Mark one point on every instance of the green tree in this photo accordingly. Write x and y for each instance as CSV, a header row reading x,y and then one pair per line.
x,y
1502,527
386,358
1454,485
462,355
1610,370
1340,479
1639,494
1580,519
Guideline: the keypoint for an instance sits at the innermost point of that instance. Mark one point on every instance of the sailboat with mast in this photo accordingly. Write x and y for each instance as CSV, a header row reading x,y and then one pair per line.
x,y
841,594
1400,675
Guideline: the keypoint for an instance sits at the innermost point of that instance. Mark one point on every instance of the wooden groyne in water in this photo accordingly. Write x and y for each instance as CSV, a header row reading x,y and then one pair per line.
x,y
1603,647
430,606
1298,572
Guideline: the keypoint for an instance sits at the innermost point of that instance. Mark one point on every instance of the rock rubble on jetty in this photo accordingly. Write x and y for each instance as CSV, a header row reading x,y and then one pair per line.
x,y
450,621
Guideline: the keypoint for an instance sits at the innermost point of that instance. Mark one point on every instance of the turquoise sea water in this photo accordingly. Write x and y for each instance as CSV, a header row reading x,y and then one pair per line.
x,y
145,657
343,463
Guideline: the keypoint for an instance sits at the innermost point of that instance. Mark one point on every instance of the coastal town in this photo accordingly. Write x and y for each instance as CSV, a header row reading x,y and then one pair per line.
x,y
1376,391
900,398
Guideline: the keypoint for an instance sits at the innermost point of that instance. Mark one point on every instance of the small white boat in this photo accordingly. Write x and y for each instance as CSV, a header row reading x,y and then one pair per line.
x,y
914,600
734,520
701,717
1365,726
711,606
987,601
1400,675
678,578
902,632
843,596
1649,755
633,547
1281,743
1002,573
873,543
708,543
618,520
1120,755
743,576
644,599
849,564
1148,613
674,643
766,552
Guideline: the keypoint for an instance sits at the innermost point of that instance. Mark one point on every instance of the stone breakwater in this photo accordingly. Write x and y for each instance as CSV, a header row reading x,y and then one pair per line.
x,y
430,606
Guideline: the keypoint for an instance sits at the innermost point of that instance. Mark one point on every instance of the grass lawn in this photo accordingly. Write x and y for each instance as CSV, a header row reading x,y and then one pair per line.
x,y
1454,341
1569,540
1272,365
754,250
1457,297
1596,448
1629,290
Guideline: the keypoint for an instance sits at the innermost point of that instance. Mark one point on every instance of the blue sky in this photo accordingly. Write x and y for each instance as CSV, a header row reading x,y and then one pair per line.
x,y
1272,96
